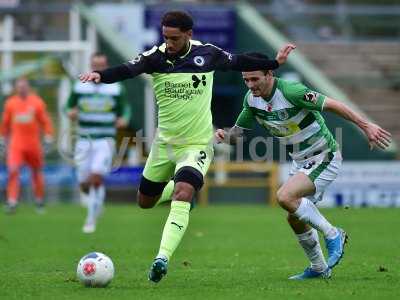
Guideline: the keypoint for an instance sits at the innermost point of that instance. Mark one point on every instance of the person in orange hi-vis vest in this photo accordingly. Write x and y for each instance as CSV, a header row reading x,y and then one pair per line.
x,y
25,119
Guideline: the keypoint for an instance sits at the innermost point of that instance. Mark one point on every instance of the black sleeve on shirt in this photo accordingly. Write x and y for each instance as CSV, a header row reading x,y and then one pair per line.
x,y
225,61
135,67
114,74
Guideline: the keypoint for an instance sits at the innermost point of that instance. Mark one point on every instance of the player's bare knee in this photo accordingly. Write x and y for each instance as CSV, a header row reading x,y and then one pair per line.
x,y
96,180
284,197
97,184
145,201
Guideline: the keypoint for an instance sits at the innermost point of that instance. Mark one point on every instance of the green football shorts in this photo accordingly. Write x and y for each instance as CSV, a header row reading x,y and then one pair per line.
x,y
165,160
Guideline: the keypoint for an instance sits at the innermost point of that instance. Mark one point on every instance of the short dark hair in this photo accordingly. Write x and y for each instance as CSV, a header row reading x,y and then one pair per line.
x,y
259,55
177,19
97,54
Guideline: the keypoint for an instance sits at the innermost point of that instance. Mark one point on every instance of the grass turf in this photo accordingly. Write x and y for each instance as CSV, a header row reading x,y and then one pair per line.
x,y
228,252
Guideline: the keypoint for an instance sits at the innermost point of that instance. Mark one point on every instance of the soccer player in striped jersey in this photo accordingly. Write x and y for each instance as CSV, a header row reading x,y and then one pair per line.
x,y
99,110
290,112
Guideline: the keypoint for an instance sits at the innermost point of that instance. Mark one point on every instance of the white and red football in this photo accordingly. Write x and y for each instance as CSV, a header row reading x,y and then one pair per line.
x,y
95,270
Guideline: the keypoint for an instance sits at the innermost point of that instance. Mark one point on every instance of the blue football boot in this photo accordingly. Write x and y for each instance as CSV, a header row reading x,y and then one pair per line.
x,y
335,248
311,274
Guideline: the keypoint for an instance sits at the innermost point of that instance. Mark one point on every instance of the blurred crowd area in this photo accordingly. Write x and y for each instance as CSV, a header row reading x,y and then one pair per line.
x,y
311,20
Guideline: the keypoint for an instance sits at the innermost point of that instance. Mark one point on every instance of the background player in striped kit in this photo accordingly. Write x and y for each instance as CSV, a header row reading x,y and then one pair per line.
x,y
99,110
291,112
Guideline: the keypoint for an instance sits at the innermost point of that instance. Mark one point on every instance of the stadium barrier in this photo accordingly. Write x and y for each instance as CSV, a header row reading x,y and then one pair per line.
x,y
360,184
241,175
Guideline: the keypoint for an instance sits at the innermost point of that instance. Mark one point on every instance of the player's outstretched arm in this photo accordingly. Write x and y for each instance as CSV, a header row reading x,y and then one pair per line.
x,y
143,63
110,75
375,134
249,62
229,137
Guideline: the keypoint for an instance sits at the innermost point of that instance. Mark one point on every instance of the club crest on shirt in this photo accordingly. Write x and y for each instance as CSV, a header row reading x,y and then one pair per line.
x,y
311,97
199,60
283,114
268,107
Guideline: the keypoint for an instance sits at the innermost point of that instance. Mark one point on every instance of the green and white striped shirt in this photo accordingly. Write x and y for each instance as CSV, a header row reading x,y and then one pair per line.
x,y
291,114
99,106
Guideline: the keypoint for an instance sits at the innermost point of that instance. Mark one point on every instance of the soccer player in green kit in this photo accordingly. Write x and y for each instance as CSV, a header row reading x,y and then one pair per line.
x,y
182,71
291,112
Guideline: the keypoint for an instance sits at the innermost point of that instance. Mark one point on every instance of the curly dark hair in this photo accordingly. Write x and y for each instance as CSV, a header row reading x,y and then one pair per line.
x,y
177,19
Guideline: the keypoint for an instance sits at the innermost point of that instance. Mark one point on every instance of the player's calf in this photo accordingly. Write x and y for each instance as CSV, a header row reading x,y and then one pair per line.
x,y
183,192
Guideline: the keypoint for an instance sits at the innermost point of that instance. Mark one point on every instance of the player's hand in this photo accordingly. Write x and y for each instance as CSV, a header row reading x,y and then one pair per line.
x,y
90,76
73,114
220,135
121,123
48,144
377,136
284,52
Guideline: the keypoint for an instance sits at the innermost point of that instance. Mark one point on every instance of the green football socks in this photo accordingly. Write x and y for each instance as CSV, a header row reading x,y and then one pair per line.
x,y
174,228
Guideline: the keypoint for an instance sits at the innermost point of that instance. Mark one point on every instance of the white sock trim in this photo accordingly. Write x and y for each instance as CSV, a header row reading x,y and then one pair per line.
x,y
309,213
309,241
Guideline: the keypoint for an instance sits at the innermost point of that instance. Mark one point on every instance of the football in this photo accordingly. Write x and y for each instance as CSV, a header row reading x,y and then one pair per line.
x,y
95,270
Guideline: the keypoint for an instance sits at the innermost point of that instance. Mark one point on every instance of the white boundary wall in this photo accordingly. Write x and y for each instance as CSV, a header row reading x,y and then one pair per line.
x,y
361,184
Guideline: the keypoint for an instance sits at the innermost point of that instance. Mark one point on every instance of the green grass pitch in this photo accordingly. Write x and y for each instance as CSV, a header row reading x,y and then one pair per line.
x,y
228,252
